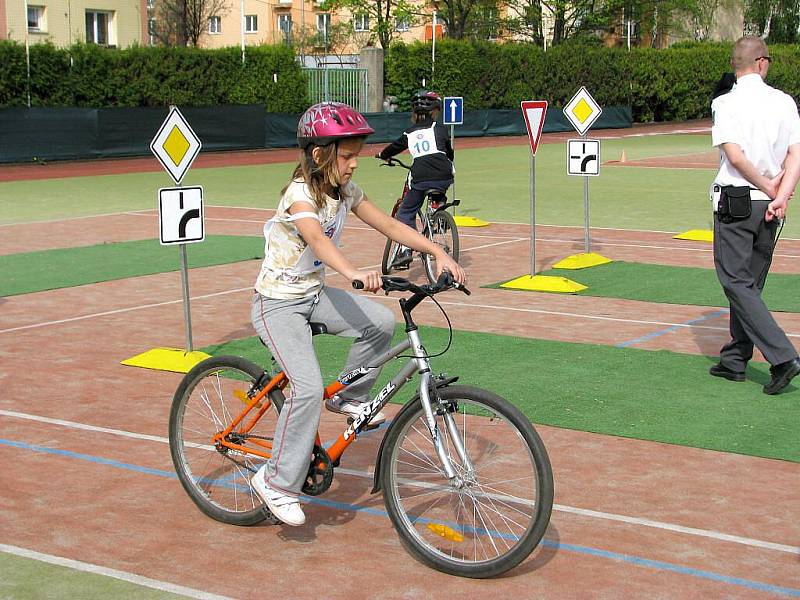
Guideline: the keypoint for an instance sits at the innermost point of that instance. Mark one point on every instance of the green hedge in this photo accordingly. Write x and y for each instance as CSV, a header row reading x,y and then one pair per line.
x,y
92,76
659,85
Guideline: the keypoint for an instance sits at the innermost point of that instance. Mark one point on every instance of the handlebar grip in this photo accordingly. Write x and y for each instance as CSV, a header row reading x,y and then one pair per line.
x,y
358,284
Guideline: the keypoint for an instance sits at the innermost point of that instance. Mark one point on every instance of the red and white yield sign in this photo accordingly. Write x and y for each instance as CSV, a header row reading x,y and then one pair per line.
x,y
534,112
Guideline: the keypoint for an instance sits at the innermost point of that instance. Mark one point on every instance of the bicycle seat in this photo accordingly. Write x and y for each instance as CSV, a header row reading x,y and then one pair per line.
x,y
318,328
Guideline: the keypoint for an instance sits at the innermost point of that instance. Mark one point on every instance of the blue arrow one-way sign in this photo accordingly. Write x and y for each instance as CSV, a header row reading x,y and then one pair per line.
x,y
453,110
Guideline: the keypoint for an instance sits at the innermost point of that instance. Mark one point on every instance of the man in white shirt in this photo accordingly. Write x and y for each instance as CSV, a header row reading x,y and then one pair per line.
x,y
757,129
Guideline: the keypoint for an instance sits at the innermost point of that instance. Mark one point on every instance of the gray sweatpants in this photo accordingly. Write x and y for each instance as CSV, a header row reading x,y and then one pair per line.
x,y
283,325
742,255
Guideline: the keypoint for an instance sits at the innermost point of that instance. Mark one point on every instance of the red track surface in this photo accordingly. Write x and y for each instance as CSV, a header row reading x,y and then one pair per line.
x,y
61,351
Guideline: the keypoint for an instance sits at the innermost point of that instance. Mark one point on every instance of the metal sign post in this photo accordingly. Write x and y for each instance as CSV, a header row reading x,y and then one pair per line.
x,y
586,238
532,270
453,114
534,113
180,210
583,159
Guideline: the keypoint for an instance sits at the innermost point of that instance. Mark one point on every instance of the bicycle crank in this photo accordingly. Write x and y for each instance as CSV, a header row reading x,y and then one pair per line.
x,y
320,473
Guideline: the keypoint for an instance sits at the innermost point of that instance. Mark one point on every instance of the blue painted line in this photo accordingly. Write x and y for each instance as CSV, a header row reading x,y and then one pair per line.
x,y
672,328
615,556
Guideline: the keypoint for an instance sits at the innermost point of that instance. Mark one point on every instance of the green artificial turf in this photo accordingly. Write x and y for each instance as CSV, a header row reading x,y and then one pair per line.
x,y
660,396
28,272
672,285
492,183
29,579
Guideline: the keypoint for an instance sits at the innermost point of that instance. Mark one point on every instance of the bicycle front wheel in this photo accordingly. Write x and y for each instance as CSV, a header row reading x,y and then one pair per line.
x,y
217,478
443,232
492,515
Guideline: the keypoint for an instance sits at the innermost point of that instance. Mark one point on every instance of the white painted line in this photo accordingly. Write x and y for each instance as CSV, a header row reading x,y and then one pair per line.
x,y
162,586
366,474
385,298
114,214
120,310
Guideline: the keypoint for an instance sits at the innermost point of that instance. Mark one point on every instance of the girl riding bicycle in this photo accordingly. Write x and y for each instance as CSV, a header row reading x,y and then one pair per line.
x,y
302,239
429,145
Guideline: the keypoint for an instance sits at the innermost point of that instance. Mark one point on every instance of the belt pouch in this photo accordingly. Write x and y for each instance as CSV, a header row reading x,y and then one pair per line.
x,y
735,201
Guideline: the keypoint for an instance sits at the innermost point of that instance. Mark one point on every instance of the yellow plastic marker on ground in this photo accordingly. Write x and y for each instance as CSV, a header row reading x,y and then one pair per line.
x,y
446,532
470,222
697,235
545,283
176,360
583,260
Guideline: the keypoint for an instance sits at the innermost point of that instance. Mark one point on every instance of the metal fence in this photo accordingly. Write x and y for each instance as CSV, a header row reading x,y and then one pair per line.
x,y
338,85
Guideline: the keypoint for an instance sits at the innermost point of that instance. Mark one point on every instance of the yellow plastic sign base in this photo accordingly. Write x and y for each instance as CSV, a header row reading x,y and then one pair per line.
x,y
697,235
470,222
544,283
176,360
582,261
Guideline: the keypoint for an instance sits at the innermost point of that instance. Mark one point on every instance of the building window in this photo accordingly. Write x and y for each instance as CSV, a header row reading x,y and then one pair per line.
x,y
151,30
98,27
323,23
285,27
361,22
214,25
251,23
323,27
36,18
402,24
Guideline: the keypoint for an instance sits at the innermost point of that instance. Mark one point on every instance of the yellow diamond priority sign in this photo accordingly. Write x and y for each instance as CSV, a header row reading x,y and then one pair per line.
x,y
176,145
582,111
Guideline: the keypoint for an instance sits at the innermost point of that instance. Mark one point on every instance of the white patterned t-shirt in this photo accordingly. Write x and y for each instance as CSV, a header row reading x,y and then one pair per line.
x,y
290,268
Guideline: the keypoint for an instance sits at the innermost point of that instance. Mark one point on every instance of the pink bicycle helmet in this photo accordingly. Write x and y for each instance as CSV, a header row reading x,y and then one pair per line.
x,y
328,122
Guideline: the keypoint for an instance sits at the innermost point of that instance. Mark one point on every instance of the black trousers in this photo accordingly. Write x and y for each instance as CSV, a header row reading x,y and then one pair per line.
x,y
742,256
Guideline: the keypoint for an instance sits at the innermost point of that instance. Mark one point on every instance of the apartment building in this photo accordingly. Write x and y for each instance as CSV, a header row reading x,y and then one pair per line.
x,y
63,22
302,23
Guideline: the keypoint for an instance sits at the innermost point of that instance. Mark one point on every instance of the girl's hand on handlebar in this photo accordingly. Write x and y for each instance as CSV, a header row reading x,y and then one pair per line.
x,y
371,280
445,262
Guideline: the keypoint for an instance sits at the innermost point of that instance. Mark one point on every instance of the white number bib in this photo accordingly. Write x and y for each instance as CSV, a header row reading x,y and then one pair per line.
x,y
422,142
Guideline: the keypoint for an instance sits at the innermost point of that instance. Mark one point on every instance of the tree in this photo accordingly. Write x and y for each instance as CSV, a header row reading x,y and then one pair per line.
x,y
182,22
777,20
382,14
653,20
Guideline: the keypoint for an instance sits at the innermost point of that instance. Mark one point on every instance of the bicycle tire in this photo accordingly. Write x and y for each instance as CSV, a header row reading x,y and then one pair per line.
x,y
206,401
443,232
498,436
389,256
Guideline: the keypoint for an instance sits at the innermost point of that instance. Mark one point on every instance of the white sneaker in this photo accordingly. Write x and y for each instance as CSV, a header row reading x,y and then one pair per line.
x,y
284,507
352,409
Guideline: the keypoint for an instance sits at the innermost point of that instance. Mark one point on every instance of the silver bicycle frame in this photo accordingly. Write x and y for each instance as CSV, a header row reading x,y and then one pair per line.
x,y
421,365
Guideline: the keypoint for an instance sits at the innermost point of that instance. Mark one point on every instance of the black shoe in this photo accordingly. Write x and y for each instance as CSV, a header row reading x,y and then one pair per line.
x,y
719,370
403,259
782,374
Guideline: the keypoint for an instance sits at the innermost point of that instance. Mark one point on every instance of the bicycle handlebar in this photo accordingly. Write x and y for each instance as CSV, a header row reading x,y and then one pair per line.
x,y
401,284
392,162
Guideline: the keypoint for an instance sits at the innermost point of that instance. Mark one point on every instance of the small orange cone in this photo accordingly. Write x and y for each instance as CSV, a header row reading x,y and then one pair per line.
x,y
623,158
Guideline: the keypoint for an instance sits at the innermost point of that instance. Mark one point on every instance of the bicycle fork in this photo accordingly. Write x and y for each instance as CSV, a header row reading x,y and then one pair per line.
x,y
433,428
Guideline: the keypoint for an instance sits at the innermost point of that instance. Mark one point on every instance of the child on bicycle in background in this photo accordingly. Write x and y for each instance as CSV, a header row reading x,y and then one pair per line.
x,y
428,143
302,239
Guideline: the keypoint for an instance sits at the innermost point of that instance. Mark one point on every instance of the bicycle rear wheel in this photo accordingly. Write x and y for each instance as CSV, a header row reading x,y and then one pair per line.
x,y
217,478
491,517
443,232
